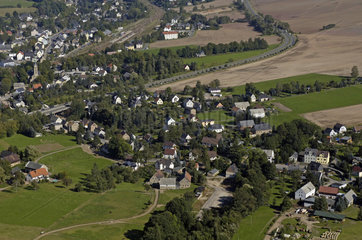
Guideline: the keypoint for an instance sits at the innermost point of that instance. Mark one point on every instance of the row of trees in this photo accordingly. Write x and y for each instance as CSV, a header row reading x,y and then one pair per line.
x,y
211,48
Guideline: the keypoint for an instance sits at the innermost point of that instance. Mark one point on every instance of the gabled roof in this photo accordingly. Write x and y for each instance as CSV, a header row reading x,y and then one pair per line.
x,y
39,172
169,152
232,169
210,141
168,181
307,187
242,105
187,176
328,190
261,127
246,123
350,196
33,165
159,174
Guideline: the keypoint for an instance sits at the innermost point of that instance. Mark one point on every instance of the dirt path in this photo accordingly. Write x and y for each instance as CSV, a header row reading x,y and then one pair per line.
x,y
108,222
4,188
49,154
282,107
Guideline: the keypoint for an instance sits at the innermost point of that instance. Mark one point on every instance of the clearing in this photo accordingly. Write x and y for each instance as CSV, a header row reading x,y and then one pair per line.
x,y
349,116
316,51
226,34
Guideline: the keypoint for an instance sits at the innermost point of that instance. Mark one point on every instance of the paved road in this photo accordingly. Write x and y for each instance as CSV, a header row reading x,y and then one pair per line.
x,y
107,222
289,40
53,110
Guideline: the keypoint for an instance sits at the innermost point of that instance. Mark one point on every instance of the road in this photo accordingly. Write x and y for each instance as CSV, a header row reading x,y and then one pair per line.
x,y
289,40
218,197
107,222
53,110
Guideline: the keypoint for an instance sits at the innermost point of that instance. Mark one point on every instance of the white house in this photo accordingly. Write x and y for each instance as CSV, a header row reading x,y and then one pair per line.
x,y
20,55
170,121
167,28
252,98
170,153
270,154
188,103
170,35
304,192
175,99
257,113
158,101
339,128
187,67
218,128
164,164
117,100
215,92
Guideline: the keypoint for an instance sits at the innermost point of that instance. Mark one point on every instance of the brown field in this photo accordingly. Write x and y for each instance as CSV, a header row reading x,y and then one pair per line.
x,y
227,33
333,51
232,13
350,116
210,5
48,147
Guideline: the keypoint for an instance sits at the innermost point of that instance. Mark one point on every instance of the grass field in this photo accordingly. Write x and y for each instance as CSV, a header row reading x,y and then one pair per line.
x,y
9,6
328,99
220,116
306,79
74,162
214,60
22,141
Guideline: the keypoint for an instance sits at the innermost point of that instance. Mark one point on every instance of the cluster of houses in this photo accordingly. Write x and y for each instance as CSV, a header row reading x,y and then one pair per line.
x,y
337,134
308,193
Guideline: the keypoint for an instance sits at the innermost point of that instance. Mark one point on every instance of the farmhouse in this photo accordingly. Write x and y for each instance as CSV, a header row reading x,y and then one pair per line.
x,y
167,183
257,113
185,181
170,35
155,179
304,192
37,175
12,158
31,166
328,192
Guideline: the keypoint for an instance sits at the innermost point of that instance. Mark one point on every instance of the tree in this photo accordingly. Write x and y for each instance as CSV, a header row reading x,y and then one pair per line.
x,y
5,86
2,175
359,217
341,204
320,204
286,204
118,147
34,185
79,138
67,181
354,72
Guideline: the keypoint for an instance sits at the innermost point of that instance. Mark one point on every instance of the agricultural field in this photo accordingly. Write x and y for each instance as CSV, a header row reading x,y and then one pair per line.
x,y
50,140
227,33
317,101
9,6
211,5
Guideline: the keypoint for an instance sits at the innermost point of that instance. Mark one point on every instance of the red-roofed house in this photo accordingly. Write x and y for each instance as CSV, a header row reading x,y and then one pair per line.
x,y
328,192
357,171
169,153
170,35
38,174
185,181
37,85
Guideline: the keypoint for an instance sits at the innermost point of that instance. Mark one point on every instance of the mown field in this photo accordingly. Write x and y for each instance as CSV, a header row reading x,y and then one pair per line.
x,y
9,6
220,116
327,99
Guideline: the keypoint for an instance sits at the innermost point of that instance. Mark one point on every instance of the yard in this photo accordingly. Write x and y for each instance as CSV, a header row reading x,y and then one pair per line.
x,y
220,116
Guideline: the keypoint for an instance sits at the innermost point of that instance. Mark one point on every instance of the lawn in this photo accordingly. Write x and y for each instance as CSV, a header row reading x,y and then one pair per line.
x,y
219,59
22,141
306,79
327,99
168,195
254,226
9,6
74,162
220,116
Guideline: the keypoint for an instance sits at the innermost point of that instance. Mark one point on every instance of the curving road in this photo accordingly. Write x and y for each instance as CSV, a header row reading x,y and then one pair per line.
x,y
289,40
107,222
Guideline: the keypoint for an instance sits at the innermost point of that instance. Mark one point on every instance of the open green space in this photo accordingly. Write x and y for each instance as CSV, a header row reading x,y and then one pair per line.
x,y
306,79
317,101
74,162
168,195
22,141
9,6
220,116
219,59
173,49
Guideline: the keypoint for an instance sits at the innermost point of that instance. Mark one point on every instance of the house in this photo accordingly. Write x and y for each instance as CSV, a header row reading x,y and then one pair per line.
x,y
170,121
330,132
185,138
269,154
37,175
155,179
242,105
212,155
167,183
338,185
170,153
218,128
129,46
215,92
304,192
263,97
100,132
328,192
314,155
257,113
187,68
139,45
116,100
315,167
213,172
294,157
201,54
20,55
252,98
72,126
235,111
175,99
356,171
164,164
185,181
188,103
350,197
219,105
210,142
339,128
346,140
260,129
231,171
246,124
168,145
198,191
167,28
170,35
158,101
12,158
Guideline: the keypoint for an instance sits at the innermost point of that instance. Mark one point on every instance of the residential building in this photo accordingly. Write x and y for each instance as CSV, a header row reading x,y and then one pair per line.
x,y
170,35
269,154
185,181
339,128
155,179
158,101
164,164
257,113
304,192
37,175
328,192
294,157
213,172
314,155
12,158
242,105
350,197
167,183
31,166
260,129
246,124
218,128
231,171
169,154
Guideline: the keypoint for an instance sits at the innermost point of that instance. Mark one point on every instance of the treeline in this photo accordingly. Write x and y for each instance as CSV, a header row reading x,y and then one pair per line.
x,y
212,23
166,4
211,48
178,222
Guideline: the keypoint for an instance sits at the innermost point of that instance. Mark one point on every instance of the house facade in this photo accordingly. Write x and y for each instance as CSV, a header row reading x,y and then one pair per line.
x,y
304,192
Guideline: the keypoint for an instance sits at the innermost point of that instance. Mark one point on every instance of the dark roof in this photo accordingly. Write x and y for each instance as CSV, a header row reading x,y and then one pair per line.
x,y
261,127
169,151
32,165
210,141
329,215
315,166
232,169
